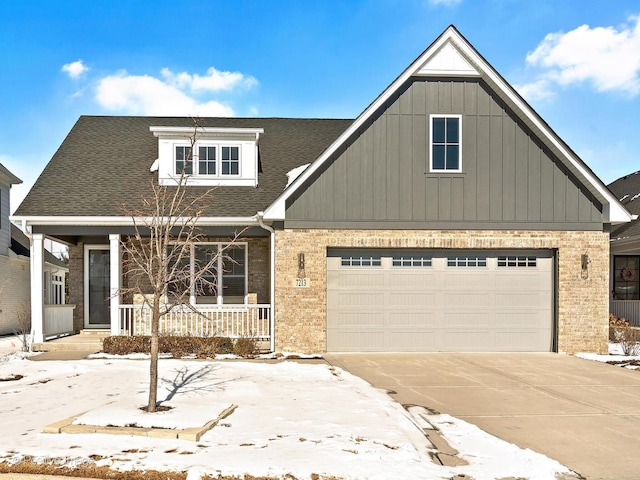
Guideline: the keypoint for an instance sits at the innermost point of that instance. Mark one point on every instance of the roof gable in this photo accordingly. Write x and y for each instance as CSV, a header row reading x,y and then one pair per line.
x,y
451,55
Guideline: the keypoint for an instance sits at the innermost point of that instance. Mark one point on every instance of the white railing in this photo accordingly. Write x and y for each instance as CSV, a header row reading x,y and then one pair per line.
x,y
628,309
234,321
58,320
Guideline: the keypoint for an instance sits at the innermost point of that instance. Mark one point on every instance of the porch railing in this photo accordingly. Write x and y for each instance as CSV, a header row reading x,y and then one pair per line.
x,y
58,320
234,321
628,309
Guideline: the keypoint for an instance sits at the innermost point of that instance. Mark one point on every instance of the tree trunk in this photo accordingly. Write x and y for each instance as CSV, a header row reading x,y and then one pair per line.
x,y
153,367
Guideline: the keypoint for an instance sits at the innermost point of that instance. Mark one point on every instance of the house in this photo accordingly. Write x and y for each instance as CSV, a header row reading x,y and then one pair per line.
x,y
448,216
625,252
15,287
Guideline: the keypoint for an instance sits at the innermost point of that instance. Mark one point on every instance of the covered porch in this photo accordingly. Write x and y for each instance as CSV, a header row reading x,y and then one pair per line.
x,y
240,306
624,301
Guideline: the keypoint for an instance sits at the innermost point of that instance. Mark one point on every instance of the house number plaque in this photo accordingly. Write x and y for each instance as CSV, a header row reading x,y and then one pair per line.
x,y
301,283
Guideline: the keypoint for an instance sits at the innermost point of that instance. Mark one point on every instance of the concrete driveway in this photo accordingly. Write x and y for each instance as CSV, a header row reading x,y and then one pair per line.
x,y
582,413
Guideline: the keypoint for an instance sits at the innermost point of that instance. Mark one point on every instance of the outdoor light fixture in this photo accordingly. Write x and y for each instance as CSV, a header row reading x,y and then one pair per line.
x,y
301,273
585,261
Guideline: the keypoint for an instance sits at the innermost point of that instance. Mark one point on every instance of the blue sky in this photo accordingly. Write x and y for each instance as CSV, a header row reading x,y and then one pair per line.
x,y
577,63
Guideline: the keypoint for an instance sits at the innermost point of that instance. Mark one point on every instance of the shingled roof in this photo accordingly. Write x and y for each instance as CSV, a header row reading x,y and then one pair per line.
x,y
104,163
627,190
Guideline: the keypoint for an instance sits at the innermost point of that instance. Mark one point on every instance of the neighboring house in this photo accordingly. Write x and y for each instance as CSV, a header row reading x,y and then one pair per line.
x,y
625,252
447,216
14,265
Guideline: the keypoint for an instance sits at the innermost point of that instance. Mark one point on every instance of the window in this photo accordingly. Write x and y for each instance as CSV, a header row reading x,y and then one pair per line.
x,y
225,274
230,160
518,262
626,282
361,261
446,149
207,160
184,160
466,261
411,261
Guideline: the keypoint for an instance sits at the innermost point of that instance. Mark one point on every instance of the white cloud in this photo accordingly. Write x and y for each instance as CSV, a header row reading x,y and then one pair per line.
x,y
606,57
214,80
75,69
147,95
541,89
444,3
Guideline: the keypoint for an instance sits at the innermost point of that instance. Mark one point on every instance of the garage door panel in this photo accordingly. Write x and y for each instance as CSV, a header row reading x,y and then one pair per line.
x,y
418,299
471,319
413,340
411,319
524,340
472,300
357,280
418,305
521,320
409,279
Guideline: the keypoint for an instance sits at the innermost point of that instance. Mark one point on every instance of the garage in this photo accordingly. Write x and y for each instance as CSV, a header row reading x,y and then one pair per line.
x,y
401,300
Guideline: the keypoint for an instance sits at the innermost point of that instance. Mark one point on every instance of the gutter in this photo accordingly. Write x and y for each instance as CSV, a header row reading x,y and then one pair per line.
x,y
272,260
124,221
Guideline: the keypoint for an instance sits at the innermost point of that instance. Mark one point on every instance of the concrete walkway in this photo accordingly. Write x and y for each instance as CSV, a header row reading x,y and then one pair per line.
x,y
582,413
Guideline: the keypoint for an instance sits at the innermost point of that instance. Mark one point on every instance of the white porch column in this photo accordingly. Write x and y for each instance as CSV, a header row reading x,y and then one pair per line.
x,y
115,257
37,301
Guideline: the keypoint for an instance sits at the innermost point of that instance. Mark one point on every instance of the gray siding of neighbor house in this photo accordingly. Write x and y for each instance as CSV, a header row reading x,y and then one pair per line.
x,y
381,178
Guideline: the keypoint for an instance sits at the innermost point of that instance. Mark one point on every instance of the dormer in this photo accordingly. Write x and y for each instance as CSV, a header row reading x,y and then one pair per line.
x,y
208,156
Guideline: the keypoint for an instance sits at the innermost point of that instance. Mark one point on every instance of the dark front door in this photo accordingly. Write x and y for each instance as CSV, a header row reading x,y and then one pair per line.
x,y
98,283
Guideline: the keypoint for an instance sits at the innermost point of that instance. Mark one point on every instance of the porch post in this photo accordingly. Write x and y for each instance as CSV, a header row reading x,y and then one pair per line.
x,y
37,302
114,269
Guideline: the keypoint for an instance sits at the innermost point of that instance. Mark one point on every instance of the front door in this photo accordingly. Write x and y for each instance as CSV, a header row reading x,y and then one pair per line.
x,y
97,287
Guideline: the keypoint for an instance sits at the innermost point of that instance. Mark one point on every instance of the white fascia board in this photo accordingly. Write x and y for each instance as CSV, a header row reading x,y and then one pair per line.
x,y
614,212
217,131
125,221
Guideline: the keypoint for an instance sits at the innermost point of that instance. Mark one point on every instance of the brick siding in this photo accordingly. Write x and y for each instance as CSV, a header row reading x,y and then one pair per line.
x,y
583,304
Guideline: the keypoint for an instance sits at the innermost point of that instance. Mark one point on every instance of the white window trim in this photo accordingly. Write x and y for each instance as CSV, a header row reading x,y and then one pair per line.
x,y
195,158
220,297
445,170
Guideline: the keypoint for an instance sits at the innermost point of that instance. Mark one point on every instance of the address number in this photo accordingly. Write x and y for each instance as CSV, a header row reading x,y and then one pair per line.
x,y
301,283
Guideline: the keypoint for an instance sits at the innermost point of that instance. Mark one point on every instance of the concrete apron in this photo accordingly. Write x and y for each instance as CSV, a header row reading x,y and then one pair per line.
x,y
584,414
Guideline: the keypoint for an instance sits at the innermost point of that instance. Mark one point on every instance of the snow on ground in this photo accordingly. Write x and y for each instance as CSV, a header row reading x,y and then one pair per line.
x,y
296,418
615,355
9,344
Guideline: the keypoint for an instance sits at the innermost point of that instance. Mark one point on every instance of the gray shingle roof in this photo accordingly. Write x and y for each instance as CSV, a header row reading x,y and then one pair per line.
x,y
627,190
104,162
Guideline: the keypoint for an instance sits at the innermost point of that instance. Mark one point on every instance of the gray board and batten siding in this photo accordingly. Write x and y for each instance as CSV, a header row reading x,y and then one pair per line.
x,y
381,178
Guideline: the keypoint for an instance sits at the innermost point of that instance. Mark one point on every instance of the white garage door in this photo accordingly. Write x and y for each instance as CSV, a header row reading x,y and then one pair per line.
x,y
451,300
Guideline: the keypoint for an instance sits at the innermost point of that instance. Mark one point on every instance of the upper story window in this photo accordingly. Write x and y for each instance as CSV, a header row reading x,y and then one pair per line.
x,y
207,159
217,156
446,144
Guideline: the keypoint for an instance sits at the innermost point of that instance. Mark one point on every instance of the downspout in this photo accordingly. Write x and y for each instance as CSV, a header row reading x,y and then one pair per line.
x,y
272,258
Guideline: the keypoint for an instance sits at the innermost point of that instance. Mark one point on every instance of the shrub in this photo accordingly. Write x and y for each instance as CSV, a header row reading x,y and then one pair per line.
x,y
177,346
223,345
614,324
628,338
245,347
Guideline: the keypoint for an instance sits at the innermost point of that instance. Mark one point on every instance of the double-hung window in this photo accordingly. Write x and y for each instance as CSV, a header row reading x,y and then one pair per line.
x,y
183,160
446,143
210,273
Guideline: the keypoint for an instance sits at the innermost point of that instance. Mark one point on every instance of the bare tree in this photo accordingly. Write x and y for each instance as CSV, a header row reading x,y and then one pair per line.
x,y
157,258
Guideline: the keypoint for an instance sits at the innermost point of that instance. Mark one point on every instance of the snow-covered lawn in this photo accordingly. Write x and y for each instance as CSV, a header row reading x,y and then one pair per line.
x,y
297,418
9,344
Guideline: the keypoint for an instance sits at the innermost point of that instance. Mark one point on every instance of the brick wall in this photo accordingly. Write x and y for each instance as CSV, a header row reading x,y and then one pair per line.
x,y
583,304
76,284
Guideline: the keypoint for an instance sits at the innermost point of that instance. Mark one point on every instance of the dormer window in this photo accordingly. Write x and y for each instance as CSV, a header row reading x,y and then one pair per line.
x,y
218,156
